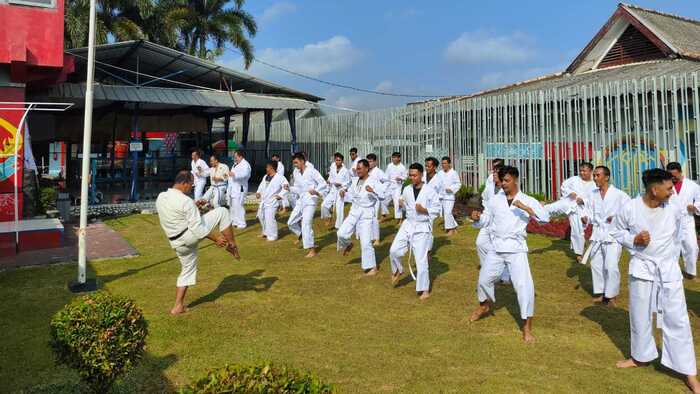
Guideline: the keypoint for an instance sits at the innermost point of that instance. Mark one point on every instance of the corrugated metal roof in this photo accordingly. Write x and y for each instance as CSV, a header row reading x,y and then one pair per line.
x,y
179,97
160,61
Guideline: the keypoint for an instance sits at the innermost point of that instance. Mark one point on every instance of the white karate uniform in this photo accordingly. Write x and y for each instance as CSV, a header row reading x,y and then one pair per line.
x,y
280,170
605,252
416,232
200,172
301,219
338,179
656,284
582,188
396,174
509,239
216,194
381,181
185,227
360,219
689,195
237,189
292,197
483,239
269,191
451,182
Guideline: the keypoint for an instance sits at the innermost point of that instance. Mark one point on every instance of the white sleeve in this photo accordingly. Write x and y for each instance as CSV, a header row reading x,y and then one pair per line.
x,y
194,220
621,229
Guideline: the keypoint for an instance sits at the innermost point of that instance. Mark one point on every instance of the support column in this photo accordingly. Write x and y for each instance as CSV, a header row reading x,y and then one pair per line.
x,y
268,126
227,125
246,129
134,194
291,114
210,125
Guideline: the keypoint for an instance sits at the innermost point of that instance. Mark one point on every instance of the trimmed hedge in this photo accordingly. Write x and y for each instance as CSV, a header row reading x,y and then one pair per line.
x,y
101,336
264,378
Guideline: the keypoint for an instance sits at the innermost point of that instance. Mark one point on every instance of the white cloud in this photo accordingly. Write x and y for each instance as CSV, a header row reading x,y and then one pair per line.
x,y
323,57
484,47
384,86
277,10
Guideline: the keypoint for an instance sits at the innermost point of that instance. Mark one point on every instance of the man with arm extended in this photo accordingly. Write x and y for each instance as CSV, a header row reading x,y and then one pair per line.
x,y
200,172
508,214
686,196
338,179
185,227
650,228
270,192
422,205
451,185
309,185
396,173
218,172
237,189
380,181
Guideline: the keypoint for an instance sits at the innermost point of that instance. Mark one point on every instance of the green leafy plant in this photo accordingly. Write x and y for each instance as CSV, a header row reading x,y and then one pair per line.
x,y
538,196
47,198
482,188
464,193
100,335
264,378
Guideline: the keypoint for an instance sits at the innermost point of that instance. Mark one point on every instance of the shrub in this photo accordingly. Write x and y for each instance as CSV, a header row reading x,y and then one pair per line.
x,y
538,196
47,198
101,336
264,378
464,193
482,188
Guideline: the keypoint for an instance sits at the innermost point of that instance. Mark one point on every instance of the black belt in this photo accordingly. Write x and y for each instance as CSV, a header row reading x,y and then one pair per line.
x,y
178,236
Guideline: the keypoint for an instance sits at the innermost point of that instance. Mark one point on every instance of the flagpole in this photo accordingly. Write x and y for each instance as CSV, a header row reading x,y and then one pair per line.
x,y
82,283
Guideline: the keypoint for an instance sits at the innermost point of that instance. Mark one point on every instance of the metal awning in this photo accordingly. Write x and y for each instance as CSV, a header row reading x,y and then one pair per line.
x,y
206,99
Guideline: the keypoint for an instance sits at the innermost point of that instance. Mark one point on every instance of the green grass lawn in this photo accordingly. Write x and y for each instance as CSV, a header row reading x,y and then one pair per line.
x,y
319,315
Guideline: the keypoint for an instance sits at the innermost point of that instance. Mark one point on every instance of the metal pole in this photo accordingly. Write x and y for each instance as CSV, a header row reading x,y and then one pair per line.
x,y
81,284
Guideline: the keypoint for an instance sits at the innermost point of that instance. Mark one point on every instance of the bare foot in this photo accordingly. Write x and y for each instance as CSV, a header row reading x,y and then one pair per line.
x,y
376,242
297,241
178,310
693,384
383,219
579,258
233,249
451,233
374,271
598,299
480,311
612,302
347,249
528,337
395,278
424,296
312,253
629,363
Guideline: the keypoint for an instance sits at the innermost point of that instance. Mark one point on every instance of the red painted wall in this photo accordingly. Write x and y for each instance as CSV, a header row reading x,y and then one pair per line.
x,y
31,35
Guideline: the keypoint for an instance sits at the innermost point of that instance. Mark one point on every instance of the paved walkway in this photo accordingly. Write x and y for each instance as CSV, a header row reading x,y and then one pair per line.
x,y
102,243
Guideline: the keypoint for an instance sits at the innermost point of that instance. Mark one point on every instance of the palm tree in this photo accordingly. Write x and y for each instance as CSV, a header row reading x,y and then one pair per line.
x,y
213,21
77,21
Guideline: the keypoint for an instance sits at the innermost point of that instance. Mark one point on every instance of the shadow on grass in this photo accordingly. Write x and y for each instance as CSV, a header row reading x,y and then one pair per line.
x,y
252,281
693,300
614,322
576,270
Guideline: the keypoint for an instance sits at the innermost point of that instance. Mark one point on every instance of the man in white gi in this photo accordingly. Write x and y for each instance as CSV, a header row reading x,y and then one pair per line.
x,y
650,228
271,192
422,205
489,186
432,176
185,227
451,185
292,197
284,203
354,159
508,214
686,196
200,171
216,194
237,189
381,181
604,203
338,179
309,185
364,197
483,239
396,173
572,203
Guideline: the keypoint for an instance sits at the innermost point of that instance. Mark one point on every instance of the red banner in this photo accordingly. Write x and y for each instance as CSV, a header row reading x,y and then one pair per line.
x,y
10,139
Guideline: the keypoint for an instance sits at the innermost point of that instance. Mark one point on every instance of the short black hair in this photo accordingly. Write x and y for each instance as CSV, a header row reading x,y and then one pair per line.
x,y
353,150
214,156
396,154
277,155
299,156
271,163
432,160
497,162
586,164
655,176
240,153
339,155
182,177
497,167
197,151
606,170
446,158
674,165
372,157
364,163
508,170
416,166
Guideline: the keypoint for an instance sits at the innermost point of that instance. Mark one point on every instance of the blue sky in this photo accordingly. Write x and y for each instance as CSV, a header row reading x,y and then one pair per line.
x,y
418,47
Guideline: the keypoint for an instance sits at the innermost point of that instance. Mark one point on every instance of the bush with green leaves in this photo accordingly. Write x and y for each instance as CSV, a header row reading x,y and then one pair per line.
x,y
47,198
538,196
264,378
464,193
101,336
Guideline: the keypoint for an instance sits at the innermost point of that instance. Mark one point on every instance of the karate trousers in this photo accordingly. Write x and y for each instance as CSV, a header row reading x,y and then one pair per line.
x,y
520,275
186,246
448,217
333,201
237,210
268,221
375,223
199,189
604,269
689,247
420,244
395,193
483,246
301,222
577,234
359,221
648,297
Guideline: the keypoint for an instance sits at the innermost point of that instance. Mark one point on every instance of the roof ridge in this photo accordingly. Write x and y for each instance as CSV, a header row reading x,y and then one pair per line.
x,y
679,17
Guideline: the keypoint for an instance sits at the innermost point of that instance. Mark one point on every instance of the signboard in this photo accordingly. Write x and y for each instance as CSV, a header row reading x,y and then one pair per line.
x,y
428,148
10,137
525,150
136,146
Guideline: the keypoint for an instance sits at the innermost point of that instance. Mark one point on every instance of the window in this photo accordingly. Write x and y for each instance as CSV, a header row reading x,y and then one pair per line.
x,y
35,3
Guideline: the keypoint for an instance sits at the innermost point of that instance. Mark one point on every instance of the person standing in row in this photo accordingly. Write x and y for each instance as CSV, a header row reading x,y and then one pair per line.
x,y
686,196
309,185
237,189
271,192
450,186
200,172
338,179
397,174
381,180
216,194
284,203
